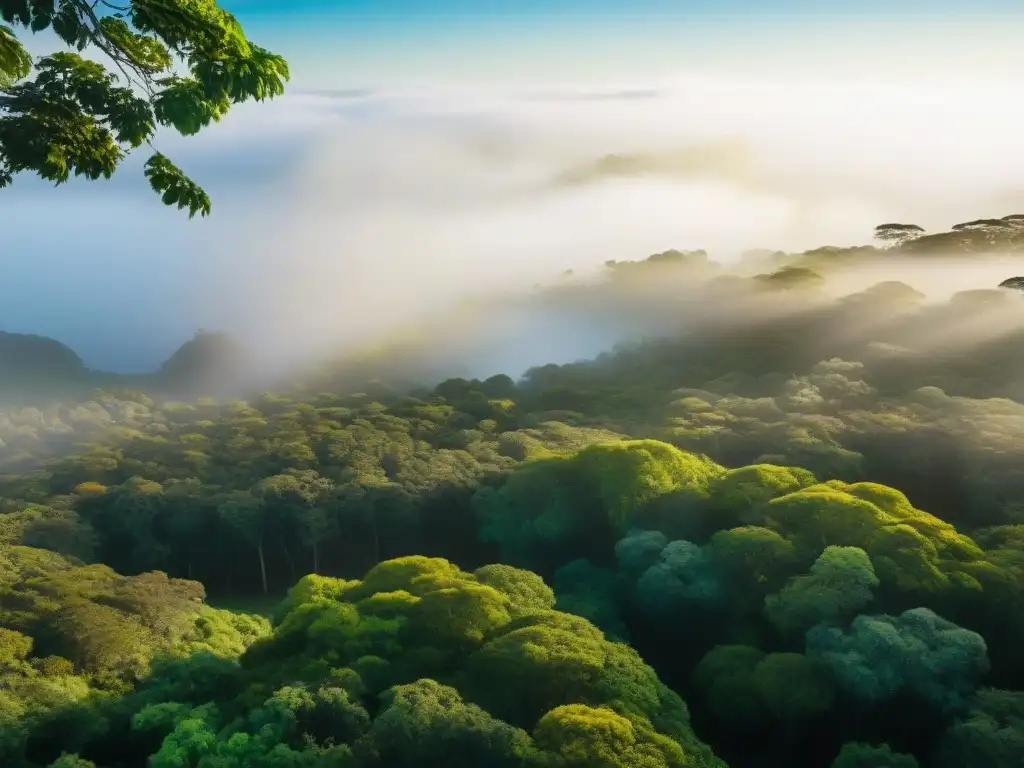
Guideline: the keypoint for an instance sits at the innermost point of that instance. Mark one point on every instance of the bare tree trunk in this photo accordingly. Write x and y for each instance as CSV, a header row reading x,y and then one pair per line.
x,y
263,566
288,559
316,557
376,539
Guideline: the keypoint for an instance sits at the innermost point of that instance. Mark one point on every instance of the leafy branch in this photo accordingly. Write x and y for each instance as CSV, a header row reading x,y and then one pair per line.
x,y
79,117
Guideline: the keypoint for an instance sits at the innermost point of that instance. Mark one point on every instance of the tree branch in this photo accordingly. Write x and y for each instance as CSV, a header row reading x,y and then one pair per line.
x,y
120,57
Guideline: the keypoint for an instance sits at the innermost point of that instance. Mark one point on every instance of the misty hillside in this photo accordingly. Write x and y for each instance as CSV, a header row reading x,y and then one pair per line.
x,y
206,364
27,360
575,317
35,369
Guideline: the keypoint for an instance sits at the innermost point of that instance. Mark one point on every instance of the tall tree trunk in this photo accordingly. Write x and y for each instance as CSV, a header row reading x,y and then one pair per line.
x,y
376,539
288,559
190,568
316,557
263,566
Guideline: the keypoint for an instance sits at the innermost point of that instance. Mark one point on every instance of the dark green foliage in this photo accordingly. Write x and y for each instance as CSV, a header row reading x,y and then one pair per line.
x,y
28,362
682,580
594,593
639,550
600,491
839,585
725,680
991,733
1016,283
854,755
917,652
466,685
747,689
425,724
752,560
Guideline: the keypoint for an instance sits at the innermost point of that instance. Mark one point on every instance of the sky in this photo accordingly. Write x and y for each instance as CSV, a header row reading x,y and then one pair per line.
x,y
419,152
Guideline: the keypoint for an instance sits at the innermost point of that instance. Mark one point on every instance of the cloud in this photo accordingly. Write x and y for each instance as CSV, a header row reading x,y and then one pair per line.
x,y
344,213
627,94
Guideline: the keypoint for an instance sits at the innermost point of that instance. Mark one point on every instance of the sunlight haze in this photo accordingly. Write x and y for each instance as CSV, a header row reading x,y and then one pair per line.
x,y
511,384
426,146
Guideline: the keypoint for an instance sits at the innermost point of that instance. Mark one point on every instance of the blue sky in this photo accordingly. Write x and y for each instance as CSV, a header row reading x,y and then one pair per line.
x,y
358,40
337,212
546,8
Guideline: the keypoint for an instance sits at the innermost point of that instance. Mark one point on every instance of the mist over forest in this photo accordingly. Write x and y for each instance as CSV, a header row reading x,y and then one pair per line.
x,y
683,295
745,472
445,193
440,410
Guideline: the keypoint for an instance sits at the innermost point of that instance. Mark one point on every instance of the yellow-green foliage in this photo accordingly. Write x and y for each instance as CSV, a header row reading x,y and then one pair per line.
x,y
551,438
18,563
311,588
747,488
910,550
598,491
599,737
629,474
26,694
387,604
90,489
106,625
493,635
526,591
222,632
14,647
415,574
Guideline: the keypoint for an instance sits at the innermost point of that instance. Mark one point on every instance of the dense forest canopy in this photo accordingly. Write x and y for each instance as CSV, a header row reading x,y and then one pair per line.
x,y
779,524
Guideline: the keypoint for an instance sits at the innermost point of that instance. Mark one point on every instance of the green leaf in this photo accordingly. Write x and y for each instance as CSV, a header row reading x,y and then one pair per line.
x,y
75,84
15,11
174,187
41,17
70,119
77,116
69,25
147,53
196,28
260,76
130,116
182,104
15,63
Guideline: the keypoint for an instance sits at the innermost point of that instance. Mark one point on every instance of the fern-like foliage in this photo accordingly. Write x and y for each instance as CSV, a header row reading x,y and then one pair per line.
x,y
174,187
15,63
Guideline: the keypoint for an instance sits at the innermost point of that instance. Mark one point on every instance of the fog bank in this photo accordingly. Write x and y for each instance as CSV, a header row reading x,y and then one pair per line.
x,y
340,216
